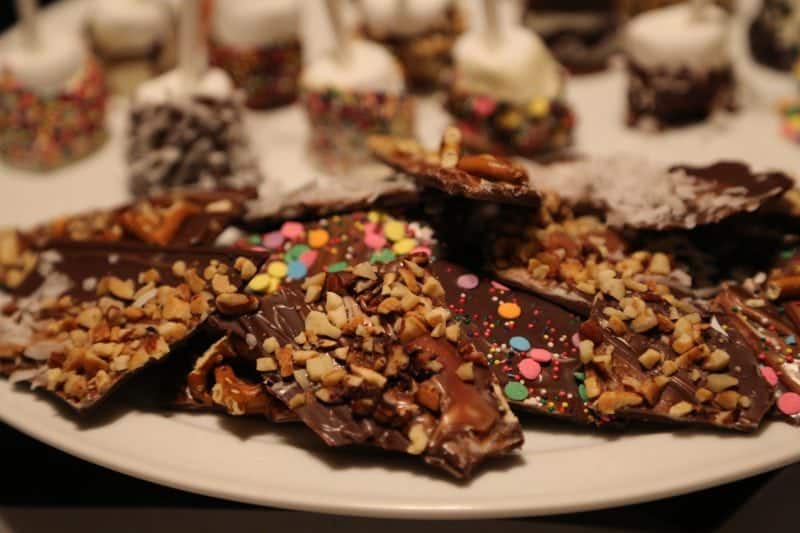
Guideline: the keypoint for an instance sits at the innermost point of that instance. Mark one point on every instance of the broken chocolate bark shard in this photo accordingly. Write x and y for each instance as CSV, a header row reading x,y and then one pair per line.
x,y
478,177
91,316
531,343
371,356
772,333
653,357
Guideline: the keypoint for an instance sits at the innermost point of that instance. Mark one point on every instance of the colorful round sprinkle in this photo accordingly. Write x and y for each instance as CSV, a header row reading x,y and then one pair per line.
x,y
394,230
529,368
509,310
521,344
540,355
341,266
277,269
297,270
576,340
296,251
789,403
259,283
374,241
382,256
769,375
308,258
515,390
403,246
273,240
292,230
317,238
467,281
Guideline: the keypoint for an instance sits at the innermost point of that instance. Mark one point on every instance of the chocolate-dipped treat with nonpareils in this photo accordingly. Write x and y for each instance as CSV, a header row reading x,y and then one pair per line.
x,y
771,331
91,316
531,343
188,218
651,356
477,177
371,356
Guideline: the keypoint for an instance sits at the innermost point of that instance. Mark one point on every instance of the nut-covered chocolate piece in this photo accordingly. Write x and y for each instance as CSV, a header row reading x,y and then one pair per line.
x,y
91,315
657,357
372,362
480,177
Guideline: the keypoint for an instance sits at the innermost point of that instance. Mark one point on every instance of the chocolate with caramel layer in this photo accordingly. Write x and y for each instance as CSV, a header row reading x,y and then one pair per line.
x,y
91,316
371,356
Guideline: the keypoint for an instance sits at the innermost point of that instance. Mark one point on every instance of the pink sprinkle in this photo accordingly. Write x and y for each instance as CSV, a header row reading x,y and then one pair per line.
x,y
769,375
540,355
422,250
292,230
789,403
529,369
272,240
308,257
576,340
500,286
483,106
375,241
467,281
371,227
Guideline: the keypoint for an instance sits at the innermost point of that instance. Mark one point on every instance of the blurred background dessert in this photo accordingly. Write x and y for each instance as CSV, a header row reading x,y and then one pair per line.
x,y
775,34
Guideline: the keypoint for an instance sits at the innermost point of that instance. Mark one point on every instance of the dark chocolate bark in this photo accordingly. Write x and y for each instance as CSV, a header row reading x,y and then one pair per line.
x,y
370,356
91,316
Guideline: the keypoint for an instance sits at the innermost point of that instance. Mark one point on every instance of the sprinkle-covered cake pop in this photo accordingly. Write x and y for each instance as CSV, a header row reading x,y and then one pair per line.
x,y
508,92
353,91
257,43
187,126
133,39
775,34
581,34
52,97
679,65
420,33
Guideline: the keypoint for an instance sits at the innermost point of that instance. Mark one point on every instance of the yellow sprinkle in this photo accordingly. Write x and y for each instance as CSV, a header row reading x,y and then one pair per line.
x,y
404,246
317,238
259,283
394,230
511,120
274,283
277,269
539,107
374,216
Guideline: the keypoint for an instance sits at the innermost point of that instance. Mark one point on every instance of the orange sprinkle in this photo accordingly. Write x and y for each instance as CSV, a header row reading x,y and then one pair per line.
x,y
317,238
509,310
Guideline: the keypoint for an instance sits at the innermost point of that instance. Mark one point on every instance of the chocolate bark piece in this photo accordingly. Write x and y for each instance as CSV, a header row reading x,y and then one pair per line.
x,y
531,343
772,332
219,380
91,316
479,177
653,357
370,356
333,196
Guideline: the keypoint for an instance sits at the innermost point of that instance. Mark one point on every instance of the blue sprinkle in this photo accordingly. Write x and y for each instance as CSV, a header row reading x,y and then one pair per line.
x,y
791,340
297,270
521,344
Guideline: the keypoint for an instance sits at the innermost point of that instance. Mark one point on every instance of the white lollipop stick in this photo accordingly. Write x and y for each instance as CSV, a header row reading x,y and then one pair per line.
x,y
192,51
341,34
491,11
26,11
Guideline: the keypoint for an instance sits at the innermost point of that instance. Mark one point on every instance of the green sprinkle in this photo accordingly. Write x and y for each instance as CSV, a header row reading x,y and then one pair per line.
x,y
382,256
295,252
582,392
579,376
516,391
254,239
341,266
788,254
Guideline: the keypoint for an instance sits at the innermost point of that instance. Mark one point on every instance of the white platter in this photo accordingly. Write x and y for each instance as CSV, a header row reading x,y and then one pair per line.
x,y
560,469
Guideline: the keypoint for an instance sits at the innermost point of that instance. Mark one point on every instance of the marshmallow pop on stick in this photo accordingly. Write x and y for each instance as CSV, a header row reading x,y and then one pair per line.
x,y
420,33
52,96
133,39
354,90
507,93
257,43
679,65
187,125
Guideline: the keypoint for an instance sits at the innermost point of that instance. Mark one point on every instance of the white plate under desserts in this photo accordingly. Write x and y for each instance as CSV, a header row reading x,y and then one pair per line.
x,y
560,468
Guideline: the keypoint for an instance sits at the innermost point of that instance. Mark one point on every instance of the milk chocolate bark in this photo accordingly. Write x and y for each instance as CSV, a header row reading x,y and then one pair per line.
x,y
479,177
650,356
91,316
179,219
371,356
532,344
771,331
